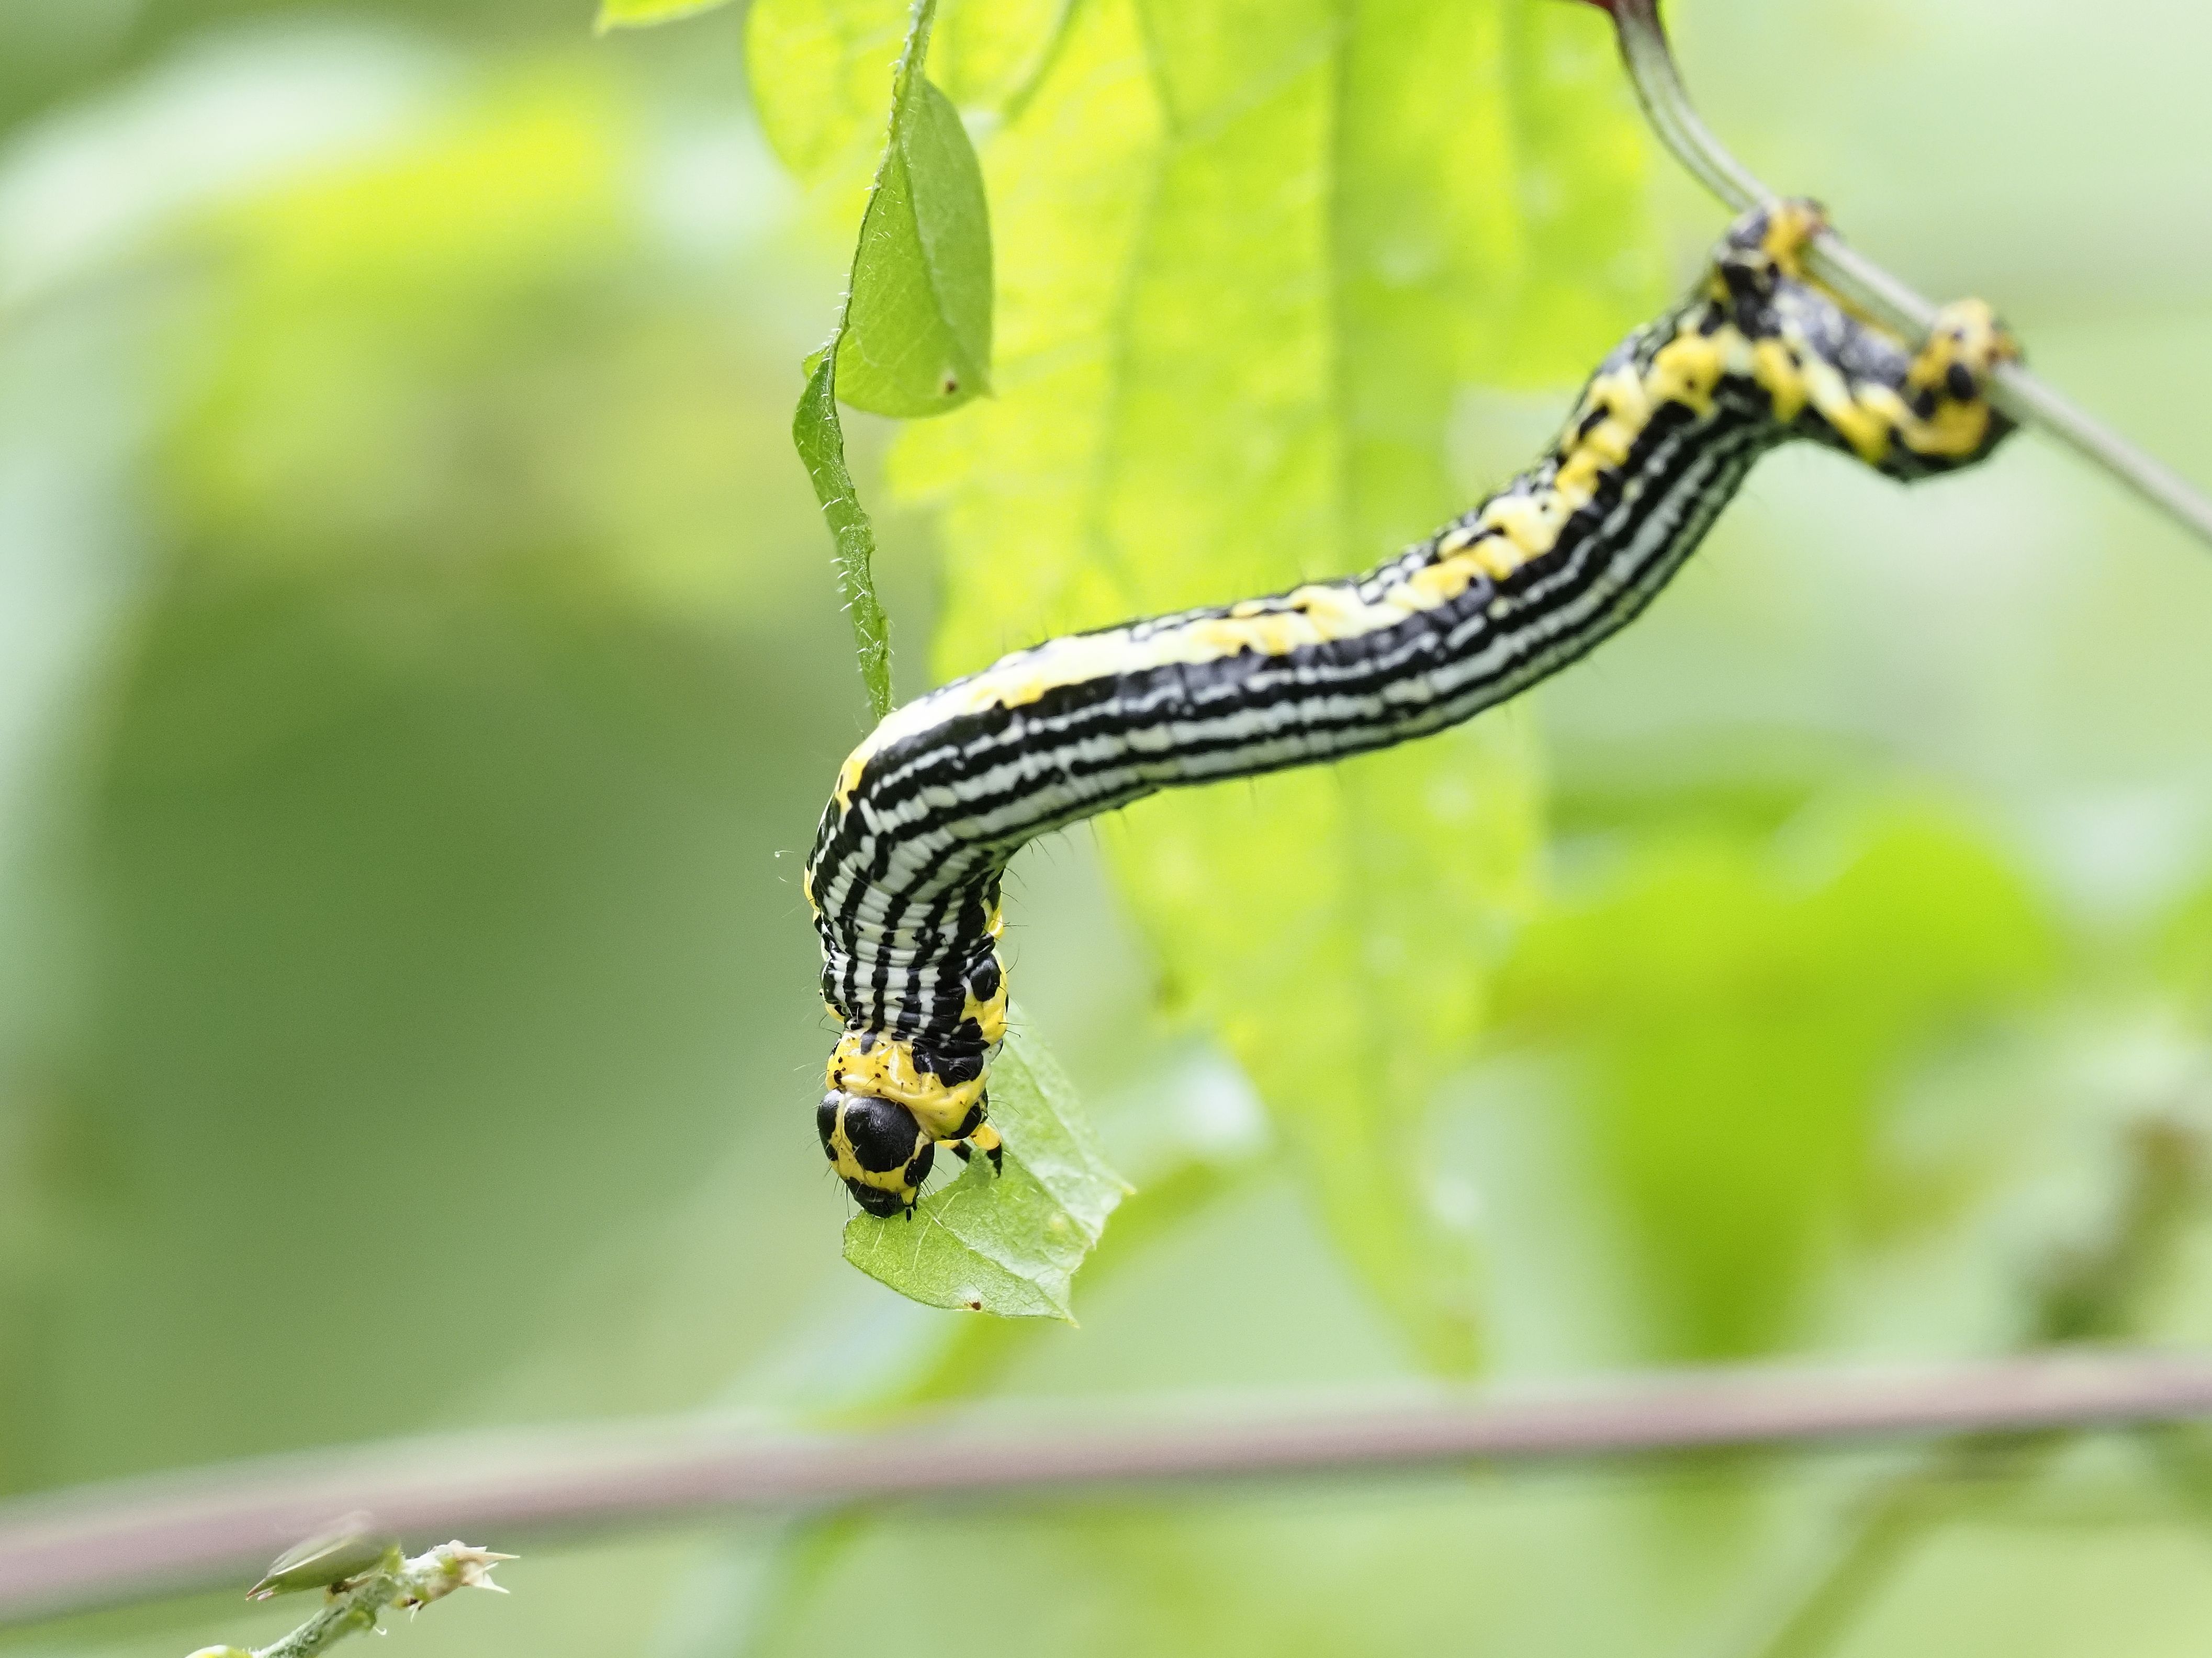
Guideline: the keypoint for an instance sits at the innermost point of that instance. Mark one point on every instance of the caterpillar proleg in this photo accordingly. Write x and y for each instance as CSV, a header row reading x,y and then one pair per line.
x,y
905,872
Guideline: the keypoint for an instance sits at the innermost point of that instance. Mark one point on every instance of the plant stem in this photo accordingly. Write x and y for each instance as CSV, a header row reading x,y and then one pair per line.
x,y
1861,282
353,1606
350,1612
67,1552
2088,1294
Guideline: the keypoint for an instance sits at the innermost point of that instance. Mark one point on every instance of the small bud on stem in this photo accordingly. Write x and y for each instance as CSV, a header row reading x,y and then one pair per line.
x,y
362,1588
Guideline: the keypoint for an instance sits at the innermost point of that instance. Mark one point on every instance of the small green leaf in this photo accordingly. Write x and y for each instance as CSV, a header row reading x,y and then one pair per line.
x,y
1738,1014
1007,1243
913,335
638,14
821,443
917,334
352,1547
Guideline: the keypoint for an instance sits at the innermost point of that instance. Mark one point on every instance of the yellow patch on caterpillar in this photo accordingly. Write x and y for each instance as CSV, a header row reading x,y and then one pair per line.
x,y
1609,442
1776,373
1876,415
1686,370
1339,613
848,778
1270,633
990,1017
865,1062
1954,429
1792,227
1531,523
1865,428
1311,615
1577,478
1434,585
848,1167
1623,396
1491,554
1966,334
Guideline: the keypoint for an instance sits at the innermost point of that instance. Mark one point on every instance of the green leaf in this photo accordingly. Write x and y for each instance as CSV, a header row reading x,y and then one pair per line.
x,y
638,14
1740,1013
916,339
817,72
354,1547
1252,254
820,438
913,337
989,53
2181,954
1007,1243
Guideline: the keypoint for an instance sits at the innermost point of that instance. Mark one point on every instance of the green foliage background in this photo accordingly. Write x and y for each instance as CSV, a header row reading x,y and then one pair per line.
x,y
423,670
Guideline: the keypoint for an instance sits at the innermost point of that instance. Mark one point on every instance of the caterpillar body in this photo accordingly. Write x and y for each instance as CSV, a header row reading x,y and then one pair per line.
x,y
904,876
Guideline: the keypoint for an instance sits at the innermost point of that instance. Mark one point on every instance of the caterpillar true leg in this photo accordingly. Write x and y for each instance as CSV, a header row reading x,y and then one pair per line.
x,y
905,872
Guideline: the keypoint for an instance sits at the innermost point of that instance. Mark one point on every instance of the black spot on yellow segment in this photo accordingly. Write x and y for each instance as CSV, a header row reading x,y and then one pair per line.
x,y
958,1069
986,1139
984,978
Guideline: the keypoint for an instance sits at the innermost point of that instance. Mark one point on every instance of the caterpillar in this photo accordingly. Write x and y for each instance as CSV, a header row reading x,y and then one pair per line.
x,y
904,876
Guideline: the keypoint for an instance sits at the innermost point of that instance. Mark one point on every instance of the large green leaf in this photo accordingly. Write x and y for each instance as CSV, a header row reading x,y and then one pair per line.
x,y
818,69
1250,254
1740,1014
818,85
1007,1242
633,13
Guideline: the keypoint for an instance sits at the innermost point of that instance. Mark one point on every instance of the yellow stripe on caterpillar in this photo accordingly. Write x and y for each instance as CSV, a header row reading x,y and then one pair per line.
x,y
883,1067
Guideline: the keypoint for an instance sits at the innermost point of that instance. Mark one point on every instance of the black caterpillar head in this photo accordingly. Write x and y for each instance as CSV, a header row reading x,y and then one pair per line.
x,y
877,1149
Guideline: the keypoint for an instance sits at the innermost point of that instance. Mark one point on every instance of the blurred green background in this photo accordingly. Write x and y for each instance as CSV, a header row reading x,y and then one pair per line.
x,y
422,671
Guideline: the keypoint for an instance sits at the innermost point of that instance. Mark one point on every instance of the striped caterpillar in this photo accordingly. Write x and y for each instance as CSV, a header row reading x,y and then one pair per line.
x,y
905,872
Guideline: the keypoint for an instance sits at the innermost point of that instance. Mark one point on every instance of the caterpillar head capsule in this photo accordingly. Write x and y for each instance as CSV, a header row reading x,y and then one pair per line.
x,y
878,1148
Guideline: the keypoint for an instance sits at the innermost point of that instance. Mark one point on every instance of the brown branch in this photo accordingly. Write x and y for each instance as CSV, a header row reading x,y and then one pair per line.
x,y
2091,1292
72,1551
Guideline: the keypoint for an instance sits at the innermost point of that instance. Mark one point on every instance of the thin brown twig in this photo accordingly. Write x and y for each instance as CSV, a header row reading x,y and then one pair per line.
x,y
73,1550
2090,1293
355,1604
